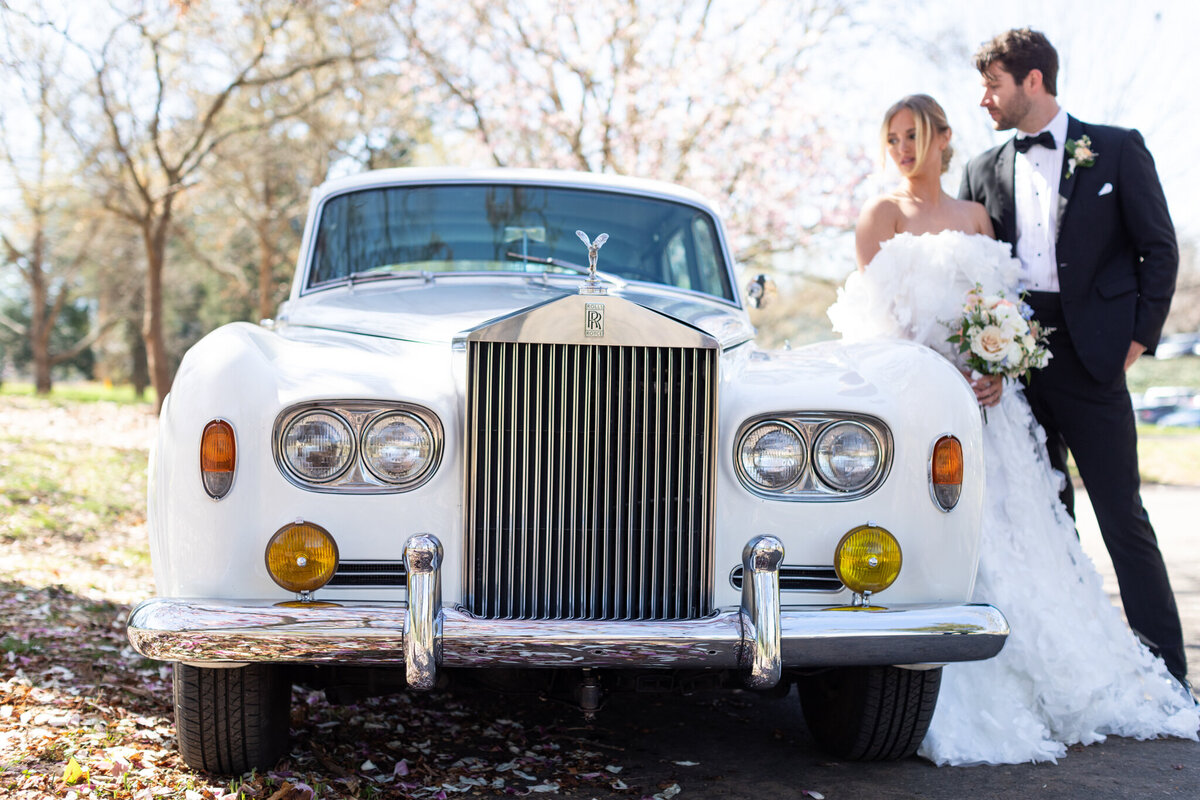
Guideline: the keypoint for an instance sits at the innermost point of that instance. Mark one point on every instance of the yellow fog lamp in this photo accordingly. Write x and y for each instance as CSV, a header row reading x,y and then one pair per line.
x,y
867,559
301,557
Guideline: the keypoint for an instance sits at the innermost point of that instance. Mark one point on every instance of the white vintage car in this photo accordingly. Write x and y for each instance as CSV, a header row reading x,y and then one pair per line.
x,y
475,439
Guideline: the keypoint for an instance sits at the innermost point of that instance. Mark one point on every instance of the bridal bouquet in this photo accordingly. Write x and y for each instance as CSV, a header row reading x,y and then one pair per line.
x,y
997,336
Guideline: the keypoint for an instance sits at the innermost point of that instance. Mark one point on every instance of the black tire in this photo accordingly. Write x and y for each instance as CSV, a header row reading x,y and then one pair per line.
x,y
870,713
230,721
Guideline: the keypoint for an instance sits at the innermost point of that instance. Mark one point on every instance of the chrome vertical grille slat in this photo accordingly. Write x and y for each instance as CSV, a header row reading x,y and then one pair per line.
x,y
589,481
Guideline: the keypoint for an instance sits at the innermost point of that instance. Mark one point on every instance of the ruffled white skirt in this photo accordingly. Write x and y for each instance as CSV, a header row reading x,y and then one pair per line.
x,y
1071,670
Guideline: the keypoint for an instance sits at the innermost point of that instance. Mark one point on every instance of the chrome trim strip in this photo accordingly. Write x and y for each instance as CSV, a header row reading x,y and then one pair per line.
x,y
221,630
423,561
760,608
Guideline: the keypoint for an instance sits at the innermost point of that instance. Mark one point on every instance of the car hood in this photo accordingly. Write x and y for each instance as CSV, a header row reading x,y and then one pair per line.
x,y
439,309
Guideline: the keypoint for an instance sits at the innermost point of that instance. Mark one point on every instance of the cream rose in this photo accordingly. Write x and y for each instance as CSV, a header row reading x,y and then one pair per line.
x,y
992,343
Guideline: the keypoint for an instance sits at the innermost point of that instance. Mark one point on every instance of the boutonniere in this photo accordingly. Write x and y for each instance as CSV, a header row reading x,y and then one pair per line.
x,y
1079,154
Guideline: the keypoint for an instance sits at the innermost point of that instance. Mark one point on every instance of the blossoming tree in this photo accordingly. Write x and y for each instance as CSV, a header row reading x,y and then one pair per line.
x,y
711,95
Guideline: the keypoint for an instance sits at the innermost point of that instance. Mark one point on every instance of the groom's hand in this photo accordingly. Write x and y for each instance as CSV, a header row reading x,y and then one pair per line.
x,y
1135,351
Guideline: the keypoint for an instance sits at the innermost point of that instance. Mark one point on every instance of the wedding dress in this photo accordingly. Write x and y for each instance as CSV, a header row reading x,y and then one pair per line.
x,y
1071,670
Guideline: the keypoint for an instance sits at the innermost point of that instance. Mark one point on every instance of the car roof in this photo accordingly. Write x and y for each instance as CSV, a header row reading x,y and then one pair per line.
x,y
566,179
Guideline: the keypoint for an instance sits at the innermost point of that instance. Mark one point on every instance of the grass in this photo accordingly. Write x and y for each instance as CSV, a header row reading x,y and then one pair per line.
x,y
1148,371
82,392
43,498
1169,455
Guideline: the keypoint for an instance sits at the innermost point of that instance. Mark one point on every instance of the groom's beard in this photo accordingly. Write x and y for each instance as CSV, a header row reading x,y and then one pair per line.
x,y
1013,112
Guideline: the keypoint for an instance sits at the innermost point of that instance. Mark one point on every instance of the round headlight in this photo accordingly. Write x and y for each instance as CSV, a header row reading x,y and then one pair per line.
x,y
397,447
867,559
301,557
318,446
847,456
772,455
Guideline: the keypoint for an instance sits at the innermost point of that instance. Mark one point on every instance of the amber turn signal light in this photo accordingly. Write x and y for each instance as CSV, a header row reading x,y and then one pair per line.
x,y
302,557
946,472
218,458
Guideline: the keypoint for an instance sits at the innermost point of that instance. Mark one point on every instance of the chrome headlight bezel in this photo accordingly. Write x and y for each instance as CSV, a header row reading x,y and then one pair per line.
x,y
810,426
359,416
827,471
413,423
344,438
746,442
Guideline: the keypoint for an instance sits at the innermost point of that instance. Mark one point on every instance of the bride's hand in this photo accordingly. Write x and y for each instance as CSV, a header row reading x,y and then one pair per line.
x,y
988,389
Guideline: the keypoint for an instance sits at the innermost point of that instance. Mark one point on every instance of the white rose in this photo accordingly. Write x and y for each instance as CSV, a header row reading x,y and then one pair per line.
x,y
1009,317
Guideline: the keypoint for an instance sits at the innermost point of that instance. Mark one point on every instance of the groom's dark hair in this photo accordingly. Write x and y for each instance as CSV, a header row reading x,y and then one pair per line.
x,y
1019,51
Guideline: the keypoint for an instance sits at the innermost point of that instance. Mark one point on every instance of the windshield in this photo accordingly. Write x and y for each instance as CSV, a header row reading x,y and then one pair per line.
x,y
507,228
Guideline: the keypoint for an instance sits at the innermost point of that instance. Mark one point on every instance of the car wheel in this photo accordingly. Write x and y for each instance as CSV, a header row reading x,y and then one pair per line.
x,y
870,713
230,721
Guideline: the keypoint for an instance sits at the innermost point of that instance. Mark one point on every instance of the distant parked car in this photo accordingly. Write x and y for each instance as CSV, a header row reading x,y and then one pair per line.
x,y
1178,344
1183,418
1158,401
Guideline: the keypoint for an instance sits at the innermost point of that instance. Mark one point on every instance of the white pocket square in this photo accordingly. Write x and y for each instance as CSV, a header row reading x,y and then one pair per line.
x,y
1105,189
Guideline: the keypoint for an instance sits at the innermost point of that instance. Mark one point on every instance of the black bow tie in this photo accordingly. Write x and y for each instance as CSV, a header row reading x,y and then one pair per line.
x,y
1045,139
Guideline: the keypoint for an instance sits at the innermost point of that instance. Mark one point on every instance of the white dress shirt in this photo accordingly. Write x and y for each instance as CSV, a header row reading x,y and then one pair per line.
x,y
1035,190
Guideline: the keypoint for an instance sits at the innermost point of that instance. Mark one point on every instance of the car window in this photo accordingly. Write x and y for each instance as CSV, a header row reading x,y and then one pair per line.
x,y
508,228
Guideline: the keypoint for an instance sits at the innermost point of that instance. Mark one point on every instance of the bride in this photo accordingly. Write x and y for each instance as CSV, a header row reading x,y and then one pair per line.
x,y
1071,670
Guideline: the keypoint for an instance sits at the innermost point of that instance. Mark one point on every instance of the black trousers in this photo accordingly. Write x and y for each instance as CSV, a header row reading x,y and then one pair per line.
x,y
1095,422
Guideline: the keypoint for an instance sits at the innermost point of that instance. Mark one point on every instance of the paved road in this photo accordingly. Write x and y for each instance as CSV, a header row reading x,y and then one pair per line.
x,y
744,746
1174,512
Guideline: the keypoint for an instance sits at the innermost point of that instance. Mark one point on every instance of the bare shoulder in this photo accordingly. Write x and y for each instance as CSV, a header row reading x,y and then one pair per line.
x,y
980,220
878,221
880,213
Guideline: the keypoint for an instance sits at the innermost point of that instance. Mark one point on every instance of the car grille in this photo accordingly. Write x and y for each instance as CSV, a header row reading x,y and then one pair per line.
x,y
369,573
589,481
793,578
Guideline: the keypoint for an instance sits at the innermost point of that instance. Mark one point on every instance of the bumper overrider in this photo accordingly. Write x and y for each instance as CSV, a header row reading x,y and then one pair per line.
x,y
760,638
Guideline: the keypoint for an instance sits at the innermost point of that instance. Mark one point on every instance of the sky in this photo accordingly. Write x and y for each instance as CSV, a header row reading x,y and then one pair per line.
x,y
1122,62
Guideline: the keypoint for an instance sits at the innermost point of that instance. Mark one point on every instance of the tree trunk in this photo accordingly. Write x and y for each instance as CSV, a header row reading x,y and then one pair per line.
x,y
39,322
154,233
266,272
139,371
42,383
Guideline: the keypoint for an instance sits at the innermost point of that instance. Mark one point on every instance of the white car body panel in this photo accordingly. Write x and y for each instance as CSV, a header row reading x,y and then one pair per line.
x,y
402,339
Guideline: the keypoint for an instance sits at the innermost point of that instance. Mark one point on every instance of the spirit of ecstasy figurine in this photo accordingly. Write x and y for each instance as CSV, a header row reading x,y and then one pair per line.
x,y
593,251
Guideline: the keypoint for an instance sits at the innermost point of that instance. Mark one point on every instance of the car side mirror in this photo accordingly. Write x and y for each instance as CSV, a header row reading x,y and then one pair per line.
x,y
760,290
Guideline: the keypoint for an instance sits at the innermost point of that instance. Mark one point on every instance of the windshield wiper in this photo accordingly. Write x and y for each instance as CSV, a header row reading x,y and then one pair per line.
x,y
369,275
567,265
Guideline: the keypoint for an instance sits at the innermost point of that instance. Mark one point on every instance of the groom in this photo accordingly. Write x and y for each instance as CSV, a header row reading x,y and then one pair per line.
x,y
1083,208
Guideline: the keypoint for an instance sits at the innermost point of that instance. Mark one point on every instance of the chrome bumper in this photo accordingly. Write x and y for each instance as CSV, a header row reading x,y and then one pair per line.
x,y
759,638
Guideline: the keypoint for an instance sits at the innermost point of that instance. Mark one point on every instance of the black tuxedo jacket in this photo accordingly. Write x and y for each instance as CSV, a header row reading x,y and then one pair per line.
x,y
1116,247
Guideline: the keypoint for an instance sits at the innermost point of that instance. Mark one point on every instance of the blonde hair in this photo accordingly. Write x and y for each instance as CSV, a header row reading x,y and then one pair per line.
x,y
930,119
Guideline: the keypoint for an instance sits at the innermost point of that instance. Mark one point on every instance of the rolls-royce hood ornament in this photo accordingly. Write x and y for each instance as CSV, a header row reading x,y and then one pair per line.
x,y
592,286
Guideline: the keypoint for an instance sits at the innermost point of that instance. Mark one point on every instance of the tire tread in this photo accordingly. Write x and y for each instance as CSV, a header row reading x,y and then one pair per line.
x,y
229,721
870,713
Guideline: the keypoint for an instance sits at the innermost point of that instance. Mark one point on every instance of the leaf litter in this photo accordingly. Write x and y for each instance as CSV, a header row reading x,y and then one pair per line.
x,y
82,715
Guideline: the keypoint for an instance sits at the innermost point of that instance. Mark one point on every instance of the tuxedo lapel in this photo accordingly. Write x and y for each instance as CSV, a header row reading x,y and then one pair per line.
x,y
1068,179
1005,176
